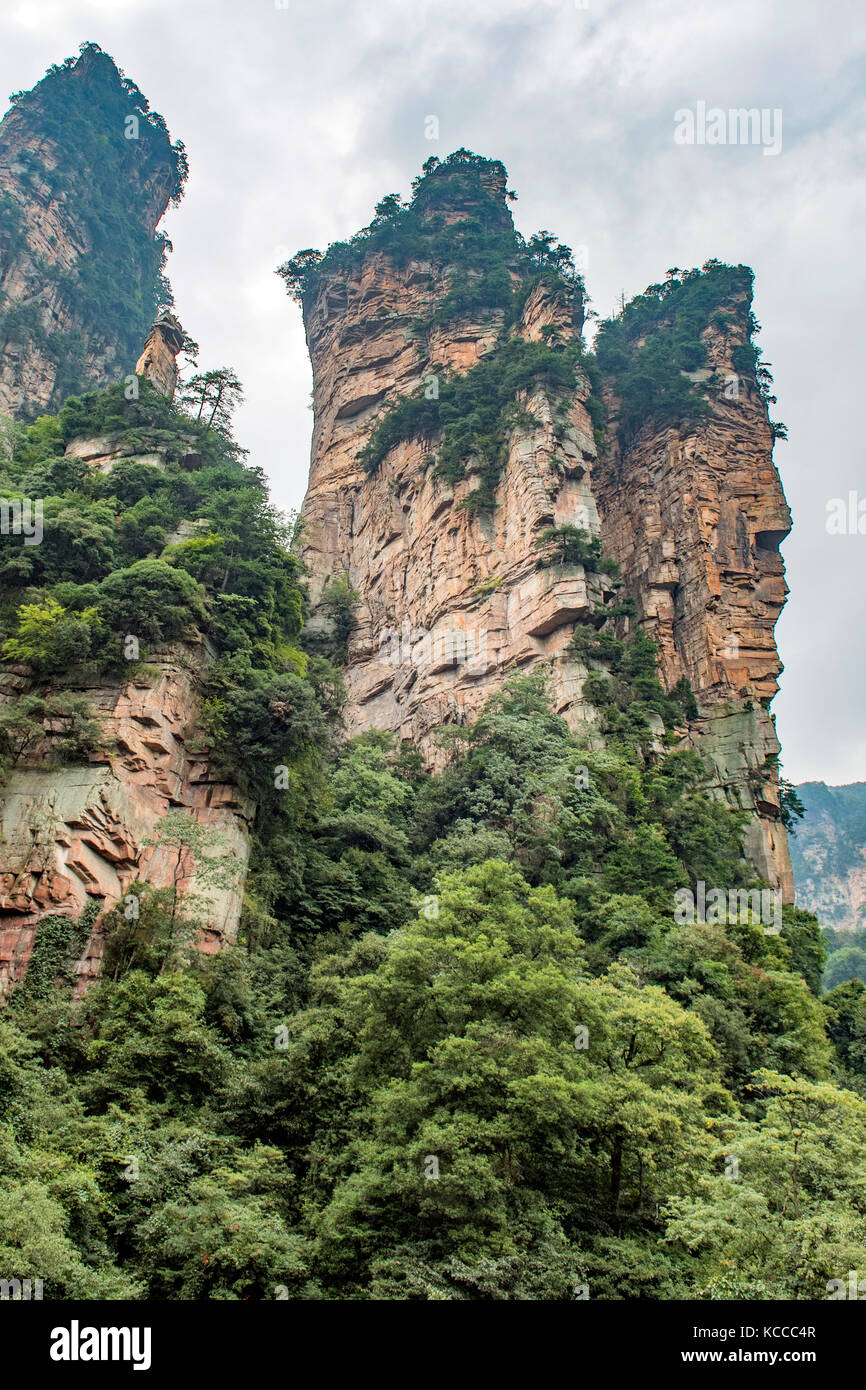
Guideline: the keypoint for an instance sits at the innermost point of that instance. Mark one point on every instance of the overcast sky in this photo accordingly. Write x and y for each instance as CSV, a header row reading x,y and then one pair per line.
x,y
297,118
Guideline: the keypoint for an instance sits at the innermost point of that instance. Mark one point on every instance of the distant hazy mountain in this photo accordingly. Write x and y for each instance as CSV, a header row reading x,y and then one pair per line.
x,y
828,853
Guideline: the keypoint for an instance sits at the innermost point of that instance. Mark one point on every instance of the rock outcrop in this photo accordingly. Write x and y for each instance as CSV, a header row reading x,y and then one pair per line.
x,y
78,834
84,833
86,173
694,516
158,360
451,600
450,596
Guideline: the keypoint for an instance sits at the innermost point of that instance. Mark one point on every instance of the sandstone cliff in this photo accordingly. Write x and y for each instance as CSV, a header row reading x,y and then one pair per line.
x,y
450,595
81,834
450,599
86,173
695,515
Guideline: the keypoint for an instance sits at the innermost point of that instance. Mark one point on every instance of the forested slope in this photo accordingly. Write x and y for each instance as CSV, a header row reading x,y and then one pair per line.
x,y
463,1048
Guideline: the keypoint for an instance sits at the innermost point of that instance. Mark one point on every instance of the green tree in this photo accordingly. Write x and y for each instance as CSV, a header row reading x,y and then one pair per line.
x,y
151,600
49,639
61,728
462,1032
791,1215
213,397
152,1038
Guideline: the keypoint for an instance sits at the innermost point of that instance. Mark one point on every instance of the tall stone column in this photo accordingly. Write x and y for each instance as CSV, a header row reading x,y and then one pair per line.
x,y
158,360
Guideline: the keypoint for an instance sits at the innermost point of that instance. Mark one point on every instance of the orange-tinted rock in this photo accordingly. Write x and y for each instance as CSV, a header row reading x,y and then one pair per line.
x,y
158,360
695,517
81,832
452,601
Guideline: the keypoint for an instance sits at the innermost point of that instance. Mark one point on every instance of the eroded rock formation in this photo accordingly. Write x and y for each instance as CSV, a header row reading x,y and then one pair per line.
x,y
451,599
158,360
695,517
83,833
79,254
829,854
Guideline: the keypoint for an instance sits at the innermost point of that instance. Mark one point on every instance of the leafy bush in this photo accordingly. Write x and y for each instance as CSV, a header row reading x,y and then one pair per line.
x,y
151,600
475,412
648,349
629,691
60,728
101,526
49,640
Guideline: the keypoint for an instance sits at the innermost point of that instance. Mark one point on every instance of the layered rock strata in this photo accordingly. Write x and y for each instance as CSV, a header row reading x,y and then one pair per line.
x,y
695,517
451,600
829,854
53,339
84,833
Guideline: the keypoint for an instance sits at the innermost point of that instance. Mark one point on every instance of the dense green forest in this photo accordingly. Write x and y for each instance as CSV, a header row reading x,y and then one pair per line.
x,y
462,1049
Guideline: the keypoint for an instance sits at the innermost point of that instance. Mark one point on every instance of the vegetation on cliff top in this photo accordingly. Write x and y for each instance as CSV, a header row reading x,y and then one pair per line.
x,y
648,351
652,355
117,154
458,221
112,563
120,573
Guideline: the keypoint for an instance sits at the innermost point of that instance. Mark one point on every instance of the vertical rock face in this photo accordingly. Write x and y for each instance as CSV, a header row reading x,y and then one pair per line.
x,y
451,600
86,173
158,361
450,595
829,854
84,834
695,515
